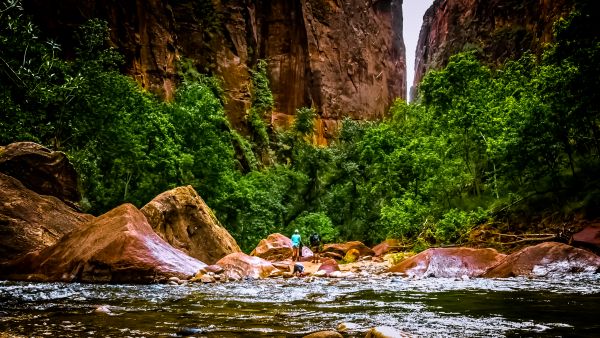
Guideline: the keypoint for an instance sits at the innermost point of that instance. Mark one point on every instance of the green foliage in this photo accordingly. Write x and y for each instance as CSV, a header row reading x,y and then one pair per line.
x,y
479,143
316,222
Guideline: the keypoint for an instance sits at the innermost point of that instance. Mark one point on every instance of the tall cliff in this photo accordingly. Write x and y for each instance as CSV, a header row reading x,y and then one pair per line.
x,y
343,57
499,29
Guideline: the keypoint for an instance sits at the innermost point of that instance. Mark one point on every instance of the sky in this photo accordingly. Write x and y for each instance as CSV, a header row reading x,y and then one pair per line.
x,y
413,11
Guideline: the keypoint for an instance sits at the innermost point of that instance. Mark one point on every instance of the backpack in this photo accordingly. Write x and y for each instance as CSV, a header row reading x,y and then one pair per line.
x,y
314,240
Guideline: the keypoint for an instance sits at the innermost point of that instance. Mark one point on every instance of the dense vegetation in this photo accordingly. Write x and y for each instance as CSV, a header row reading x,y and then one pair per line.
x,y
480,144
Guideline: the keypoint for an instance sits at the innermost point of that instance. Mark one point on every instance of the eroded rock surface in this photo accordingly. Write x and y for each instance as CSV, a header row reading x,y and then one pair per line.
x,y
500,29
546,259
41,170
183,219
31,222
239,265
449,262
117,247
342,248
276,247
346,58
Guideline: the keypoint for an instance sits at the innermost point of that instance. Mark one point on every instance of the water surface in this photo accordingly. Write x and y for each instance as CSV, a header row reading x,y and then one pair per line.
x,y
435,307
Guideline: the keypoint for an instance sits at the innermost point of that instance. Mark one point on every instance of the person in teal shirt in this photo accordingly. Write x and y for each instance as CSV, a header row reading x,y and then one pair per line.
x,y
296,239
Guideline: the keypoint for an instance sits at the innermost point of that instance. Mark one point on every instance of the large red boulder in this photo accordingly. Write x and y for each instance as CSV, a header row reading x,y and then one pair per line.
x,y
40,169
545,259
183,219
342,248
276,247
385,247
239,265
329,265
589,236
117,247
31,222
449,262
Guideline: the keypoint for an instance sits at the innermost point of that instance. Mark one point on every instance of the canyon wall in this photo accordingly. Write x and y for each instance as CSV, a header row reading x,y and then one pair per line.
x,y
345,58
499,29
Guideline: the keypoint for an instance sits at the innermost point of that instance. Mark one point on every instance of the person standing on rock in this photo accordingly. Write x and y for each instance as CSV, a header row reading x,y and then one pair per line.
x,y
296,240
315,246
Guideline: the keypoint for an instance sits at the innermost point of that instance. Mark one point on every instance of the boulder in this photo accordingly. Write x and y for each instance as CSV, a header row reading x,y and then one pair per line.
x,y
329,265
342,248
351,256
589,236
182,219
40,169
117,247
449,262
386,332
546,259
385,247
31,222
238,265
324,334
276,247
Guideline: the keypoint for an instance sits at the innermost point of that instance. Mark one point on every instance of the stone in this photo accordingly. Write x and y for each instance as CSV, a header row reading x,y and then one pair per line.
x,y
207,279
41,170
386,332
332,255
449,262
117,247
238,265
276,247
329,266
324,334
182,218
352,256
102,310
589,236
386,247
342,248
30,222
545,259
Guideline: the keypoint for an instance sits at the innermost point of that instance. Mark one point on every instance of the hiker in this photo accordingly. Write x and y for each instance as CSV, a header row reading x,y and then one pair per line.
x,y
296,240
315,246
298,270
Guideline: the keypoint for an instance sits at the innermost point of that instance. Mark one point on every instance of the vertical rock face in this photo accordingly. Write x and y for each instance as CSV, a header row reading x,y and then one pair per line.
x,y
343,57
500,29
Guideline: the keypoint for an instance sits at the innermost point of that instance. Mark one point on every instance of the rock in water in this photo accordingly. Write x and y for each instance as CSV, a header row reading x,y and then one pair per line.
x,y
31,222
181,218
546,259
117,247
41,170
449,262
239,265
324,334
343,248
276,247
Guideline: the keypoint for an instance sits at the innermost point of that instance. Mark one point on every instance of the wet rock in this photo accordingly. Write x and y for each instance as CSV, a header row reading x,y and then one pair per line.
x,y
117,247
238,265
343,248
386,332
41,170
324,334
329,266
180,217
276,247
449,262
207,279
320,273
351,256
546,259
31,222
588,237
102,309
385,247
332,255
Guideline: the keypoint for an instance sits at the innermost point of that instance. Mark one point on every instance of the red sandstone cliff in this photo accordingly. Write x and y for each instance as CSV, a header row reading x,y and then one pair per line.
x,y
343,57
500,29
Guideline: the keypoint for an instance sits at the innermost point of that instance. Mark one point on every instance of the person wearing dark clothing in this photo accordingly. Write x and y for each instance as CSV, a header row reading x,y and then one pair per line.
x,y
315,246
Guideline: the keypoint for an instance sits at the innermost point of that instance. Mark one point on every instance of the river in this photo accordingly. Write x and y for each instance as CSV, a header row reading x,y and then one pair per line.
x,y
433,307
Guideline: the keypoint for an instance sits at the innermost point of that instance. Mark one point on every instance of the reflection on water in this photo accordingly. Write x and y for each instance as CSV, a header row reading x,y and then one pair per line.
x,y
292,308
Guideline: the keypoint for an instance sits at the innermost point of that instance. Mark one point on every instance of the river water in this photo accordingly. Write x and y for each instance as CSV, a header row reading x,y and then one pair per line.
x,y
434,307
